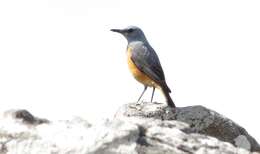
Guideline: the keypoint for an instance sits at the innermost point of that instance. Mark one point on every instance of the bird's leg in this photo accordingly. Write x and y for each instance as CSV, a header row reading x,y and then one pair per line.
x,y
145,87
152,94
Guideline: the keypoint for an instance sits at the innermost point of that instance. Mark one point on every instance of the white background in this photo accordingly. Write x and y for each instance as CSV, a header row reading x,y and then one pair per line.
x,y
59,59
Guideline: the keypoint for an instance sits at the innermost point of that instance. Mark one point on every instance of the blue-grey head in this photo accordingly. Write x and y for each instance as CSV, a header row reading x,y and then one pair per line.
x,y
131,33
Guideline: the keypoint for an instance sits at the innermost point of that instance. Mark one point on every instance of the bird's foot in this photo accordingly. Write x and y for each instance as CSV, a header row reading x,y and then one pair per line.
x,y
156,103
135,106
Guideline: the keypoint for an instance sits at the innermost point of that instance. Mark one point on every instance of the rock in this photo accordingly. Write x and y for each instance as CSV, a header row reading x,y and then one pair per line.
x,y
25,117
135,129
200,119
19,135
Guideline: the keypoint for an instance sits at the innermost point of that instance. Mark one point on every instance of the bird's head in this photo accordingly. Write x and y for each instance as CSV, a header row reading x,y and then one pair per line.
x,y
131,33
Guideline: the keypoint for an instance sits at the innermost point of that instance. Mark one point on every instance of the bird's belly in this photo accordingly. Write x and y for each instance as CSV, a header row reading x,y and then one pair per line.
x,y
138,75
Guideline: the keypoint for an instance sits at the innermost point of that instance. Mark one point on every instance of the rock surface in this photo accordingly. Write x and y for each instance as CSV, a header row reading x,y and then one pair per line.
x,y
136,129
200,119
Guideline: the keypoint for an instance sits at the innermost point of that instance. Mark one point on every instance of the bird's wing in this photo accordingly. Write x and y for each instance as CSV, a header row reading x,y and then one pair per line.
x,y
147,61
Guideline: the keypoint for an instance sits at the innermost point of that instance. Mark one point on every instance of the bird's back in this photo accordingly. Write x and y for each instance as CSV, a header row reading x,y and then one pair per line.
x,y
146,61
138,74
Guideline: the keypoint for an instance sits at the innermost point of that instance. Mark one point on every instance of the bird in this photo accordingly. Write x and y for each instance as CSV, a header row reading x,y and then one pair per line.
x,y
144,63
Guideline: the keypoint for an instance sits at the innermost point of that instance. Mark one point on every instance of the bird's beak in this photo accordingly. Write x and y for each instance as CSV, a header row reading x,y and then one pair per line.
x,y
117,30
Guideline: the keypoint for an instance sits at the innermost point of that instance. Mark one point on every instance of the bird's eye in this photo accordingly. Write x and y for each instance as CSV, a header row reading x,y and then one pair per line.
x,y
130,30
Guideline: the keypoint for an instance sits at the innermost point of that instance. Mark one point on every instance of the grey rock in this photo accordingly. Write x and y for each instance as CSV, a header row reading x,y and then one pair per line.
x,y
200,119
135,129
25,117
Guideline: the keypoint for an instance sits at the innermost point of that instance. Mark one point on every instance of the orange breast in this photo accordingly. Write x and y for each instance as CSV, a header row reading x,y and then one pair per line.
x,y
139,76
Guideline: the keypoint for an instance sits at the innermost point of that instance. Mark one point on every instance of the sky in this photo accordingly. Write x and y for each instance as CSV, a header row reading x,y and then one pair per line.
x,y
58,58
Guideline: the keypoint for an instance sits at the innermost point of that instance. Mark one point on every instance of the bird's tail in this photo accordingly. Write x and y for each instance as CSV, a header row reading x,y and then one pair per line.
x,y
166,91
